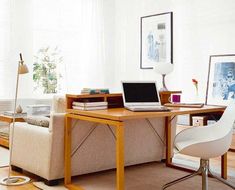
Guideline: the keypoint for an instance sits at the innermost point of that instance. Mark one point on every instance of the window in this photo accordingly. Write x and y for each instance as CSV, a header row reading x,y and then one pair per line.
x,y
73,31
62,42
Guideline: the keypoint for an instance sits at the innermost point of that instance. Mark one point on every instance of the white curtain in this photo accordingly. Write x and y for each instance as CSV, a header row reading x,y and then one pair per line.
x,y
5,67
76,27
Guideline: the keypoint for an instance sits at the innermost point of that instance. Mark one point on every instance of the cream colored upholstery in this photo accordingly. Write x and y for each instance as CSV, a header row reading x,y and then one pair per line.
x,y
59,104
40,150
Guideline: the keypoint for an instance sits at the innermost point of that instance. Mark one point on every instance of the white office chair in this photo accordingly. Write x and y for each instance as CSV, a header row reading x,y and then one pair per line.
x,y
206,142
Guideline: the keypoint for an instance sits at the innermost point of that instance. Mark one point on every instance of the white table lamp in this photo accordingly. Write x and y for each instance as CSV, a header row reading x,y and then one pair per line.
x,y
164,69
15,180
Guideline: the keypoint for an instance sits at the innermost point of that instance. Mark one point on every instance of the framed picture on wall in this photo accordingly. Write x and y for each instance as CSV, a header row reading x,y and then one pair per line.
x,y
156,43
221,80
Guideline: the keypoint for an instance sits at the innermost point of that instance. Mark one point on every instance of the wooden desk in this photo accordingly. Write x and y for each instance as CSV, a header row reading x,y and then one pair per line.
x,y
116,118
8,119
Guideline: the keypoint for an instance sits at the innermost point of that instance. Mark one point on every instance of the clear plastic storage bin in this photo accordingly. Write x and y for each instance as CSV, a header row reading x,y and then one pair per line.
x,y
38,110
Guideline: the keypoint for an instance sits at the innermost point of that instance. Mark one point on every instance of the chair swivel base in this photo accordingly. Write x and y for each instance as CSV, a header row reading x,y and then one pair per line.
x,y
204,171
14,180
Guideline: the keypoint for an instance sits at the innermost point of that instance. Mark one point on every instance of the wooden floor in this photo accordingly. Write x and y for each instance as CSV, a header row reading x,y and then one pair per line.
x,y
4,171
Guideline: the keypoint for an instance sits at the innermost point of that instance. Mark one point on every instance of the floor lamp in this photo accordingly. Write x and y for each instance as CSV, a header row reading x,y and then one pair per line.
x,y
15,180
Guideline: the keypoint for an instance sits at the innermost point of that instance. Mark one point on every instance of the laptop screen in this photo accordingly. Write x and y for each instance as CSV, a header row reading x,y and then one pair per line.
x,y
140,92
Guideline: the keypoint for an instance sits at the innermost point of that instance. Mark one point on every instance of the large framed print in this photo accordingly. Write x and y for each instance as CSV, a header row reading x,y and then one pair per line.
x,y
221,80
156,43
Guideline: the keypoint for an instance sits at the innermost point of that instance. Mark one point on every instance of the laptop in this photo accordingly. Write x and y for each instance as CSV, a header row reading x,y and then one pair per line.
x,y
141,96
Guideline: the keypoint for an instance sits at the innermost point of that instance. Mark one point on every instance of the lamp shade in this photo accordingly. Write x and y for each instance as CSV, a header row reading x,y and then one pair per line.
x,y
23,69
164,68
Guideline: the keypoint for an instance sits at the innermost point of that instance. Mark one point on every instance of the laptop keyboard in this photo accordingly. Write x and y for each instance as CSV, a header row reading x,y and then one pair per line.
x,y
147,108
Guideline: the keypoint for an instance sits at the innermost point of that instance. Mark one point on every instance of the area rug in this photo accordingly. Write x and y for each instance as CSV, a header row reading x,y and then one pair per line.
x,y
143,177
42,186
4,157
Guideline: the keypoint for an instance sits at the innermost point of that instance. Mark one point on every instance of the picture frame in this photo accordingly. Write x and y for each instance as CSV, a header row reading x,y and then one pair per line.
x,y
156,39
221,80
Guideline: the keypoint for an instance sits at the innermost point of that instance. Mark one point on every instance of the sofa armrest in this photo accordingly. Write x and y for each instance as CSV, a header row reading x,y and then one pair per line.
x,y
31,148
56,121
57,151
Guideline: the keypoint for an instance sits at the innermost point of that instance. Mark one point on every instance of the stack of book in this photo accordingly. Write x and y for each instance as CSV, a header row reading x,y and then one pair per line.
x,y
90,105
95,91
17,115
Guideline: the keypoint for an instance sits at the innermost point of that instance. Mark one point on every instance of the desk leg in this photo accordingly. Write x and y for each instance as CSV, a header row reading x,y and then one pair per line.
x,y
168,141
67,151
224,172
120,157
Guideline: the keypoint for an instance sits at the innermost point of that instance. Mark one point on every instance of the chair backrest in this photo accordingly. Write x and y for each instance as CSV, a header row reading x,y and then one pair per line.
x,y
228,118
223,129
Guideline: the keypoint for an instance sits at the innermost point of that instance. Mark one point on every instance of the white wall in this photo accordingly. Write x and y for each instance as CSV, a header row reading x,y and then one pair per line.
x,y
127,38
201,28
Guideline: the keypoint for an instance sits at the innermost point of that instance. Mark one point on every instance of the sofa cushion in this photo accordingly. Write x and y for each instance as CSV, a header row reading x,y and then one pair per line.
x,y
38,120
59,104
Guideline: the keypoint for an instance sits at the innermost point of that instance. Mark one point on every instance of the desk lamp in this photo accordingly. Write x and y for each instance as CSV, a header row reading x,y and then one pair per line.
x,y
15,180
163,69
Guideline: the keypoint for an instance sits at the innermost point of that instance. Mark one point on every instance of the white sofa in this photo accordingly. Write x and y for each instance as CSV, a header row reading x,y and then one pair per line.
x,y
40,150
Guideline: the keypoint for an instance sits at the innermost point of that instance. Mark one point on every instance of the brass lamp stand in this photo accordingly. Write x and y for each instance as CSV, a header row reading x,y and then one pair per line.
x,y
15,180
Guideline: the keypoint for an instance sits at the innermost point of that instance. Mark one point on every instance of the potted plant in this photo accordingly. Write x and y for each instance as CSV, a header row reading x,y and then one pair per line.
x,y
45,69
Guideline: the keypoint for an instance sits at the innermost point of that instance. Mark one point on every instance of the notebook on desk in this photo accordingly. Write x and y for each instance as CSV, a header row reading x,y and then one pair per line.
x,y
141,96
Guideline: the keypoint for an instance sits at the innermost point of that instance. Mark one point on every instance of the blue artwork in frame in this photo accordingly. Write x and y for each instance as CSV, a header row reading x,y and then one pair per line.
x,y
221,79
156,40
